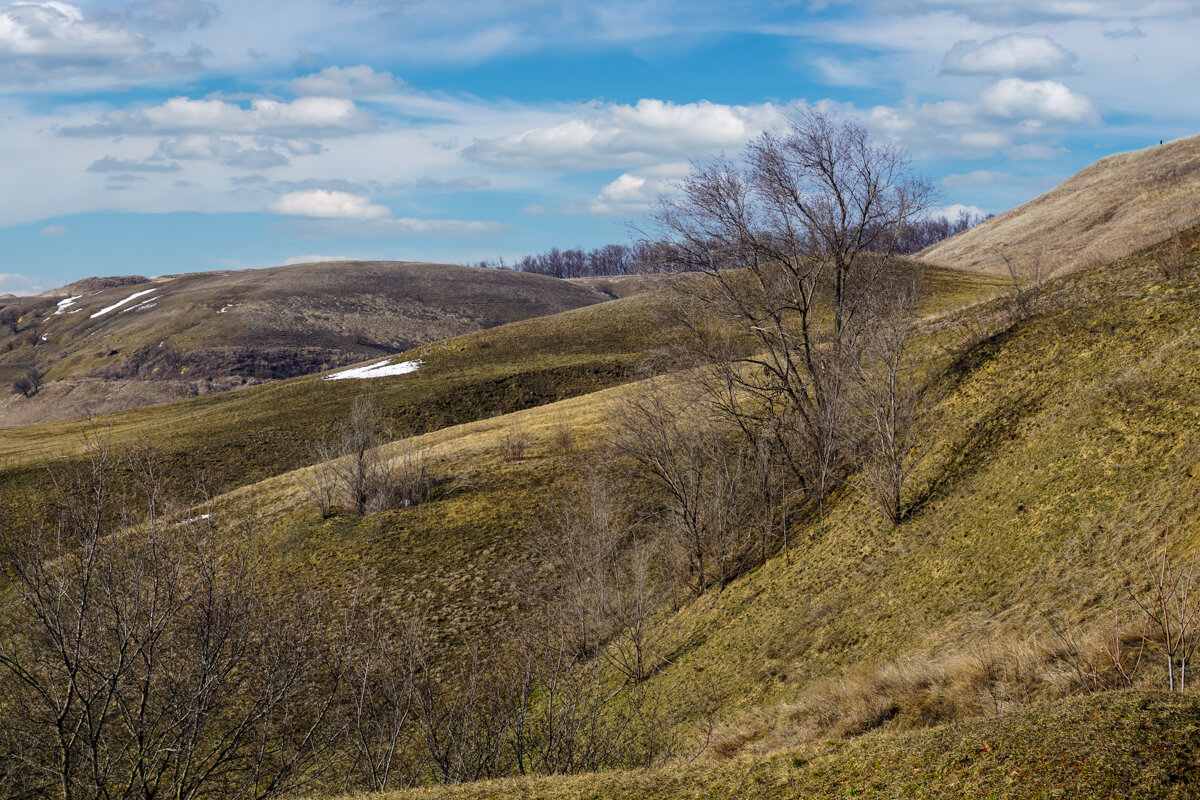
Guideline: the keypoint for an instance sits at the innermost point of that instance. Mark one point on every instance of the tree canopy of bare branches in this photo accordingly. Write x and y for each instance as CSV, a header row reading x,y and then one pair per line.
x,y
793,244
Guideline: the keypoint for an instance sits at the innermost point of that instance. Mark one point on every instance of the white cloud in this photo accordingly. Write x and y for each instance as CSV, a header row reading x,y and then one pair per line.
x,y
393,226
977,178
323,204
835,72
1027,11
954,210
200,146
174,15
53,231
1014,54
314,259
15,283
58,32
633,193
1014,98
307,116
357,81
630,135
110,164
46,41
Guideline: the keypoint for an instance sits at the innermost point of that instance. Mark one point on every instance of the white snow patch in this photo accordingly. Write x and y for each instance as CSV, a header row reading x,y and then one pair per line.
x,y
115,306
379,369
63,305
147,303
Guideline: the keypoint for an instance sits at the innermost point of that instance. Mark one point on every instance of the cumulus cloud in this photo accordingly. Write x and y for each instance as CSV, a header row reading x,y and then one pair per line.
x,y
110,164
59,32
633,193
48,40
1014,98
357,81
630,135
324,204
332,213
53,231
1015,54
307,116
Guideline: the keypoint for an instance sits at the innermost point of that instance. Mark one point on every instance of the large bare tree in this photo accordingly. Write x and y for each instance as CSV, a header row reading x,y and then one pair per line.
x,y
790,244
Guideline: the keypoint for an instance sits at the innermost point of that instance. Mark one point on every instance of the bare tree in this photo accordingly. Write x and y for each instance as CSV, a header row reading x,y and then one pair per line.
x,y
1025,289
892,404
790,246
606,583
382,708
29,382
1172,608
705,486
10,317
151,663
353,467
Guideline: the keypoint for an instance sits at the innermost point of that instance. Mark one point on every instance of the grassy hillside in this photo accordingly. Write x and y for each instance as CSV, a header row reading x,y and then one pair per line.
x,y
1075,749
243,436
915,660
181,336
1066,445
1112,209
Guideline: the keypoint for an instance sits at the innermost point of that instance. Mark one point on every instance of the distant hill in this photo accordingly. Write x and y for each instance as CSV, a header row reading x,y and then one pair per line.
x,y
108,344
1116,207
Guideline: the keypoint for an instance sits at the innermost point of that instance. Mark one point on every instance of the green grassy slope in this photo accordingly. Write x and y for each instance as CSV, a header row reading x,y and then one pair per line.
x,y
209,331
1127,745
243,436
1065,446
246,435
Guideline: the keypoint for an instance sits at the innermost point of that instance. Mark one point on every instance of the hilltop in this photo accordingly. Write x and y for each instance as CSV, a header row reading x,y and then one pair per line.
x,y
108,344
1118,206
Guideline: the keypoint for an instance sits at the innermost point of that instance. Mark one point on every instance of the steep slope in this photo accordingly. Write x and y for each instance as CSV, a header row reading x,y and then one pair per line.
x,y
1121,747
109,345
1065,446
1116,207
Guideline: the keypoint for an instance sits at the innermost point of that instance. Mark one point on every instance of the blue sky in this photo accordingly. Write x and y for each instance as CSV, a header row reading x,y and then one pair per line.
x,y
163,136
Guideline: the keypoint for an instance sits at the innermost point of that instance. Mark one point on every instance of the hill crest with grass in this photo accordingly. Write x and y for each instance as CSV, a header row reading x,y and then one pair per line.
x,y
104,345
1115,208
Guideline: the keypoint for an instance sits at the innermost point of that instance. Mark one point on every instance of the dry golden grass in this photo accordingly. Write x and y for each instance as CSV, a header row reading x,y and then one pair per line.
x,y
1117,207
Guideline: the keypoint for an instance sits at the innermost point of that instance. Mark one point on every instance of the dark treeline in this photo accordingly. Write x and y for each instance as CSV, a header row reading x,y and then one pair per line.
x,y
931,230
611,259
644,257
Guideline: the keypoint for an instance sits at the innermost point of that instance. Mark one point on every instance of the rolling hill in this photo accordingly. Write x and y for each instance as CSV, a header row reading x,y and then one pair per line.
x,y
1116,207
918,660
944,656
113,344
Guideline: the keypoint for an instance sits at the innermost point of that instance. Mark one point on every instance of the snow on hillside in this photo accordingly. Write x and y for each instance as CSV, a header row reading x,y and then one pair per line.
x,y
115,306
379,369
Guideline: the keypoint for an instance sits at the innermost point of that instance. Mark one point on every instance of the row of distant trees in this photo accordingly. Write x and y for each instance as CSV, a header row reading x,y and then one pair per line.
x,y
647,257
